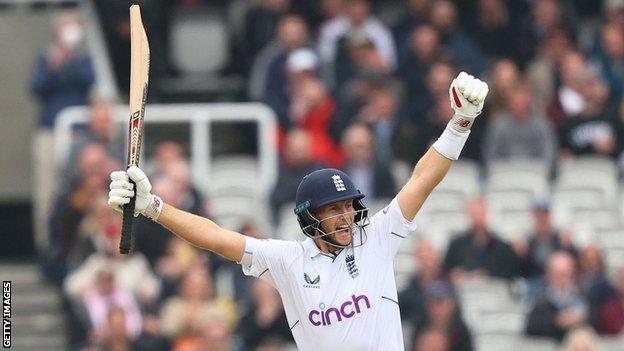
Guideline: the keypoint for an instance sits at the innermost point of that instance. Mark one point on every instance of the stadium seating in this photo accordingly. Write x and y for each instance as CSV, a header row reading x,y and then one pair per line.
x,y
519,175
199,41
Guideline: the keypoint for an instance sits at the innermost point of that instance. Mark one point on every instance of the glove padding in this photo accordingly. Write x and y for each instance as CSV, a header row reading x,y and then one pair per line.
x,y
121,191
467,95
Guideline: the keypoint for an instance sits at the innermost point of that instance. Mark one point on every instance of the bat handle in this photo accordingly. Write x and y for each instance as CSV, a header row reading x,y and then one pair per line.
x,y
126,225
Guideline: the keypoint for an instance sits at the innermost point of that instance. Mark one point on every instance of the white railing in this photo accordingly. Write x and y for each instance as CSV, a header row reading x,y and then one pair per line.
x,y
200,118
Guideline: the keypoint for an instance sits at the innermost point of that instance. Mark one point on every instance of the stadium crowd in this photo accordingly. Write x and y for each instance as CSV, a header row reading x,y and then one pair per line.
x,y
356,85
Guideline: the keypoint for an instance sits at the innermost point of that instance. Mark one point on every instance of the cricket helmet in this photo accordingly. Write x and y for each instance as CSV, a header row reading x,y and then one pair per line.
x,y
323,187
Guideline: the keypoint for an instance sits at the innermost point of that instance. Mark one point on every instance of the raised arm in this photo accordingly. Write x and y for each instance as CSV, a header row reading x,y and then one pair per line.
x,y
467,95
197,230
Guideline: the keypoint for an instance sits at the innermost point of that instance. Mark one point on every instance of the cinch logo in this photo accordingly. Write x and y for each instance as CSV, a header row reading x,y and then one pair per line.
x,y
338,183
347,310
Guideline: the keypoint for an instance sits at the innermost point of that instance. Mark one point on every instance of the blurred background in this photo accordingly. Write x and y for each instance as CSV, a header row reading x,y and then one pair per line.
x,y
521,247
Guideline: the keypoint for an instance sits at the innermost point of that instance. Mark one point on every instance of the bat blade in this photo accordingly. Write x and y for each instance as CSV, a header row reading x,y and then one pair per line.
x,y
139,77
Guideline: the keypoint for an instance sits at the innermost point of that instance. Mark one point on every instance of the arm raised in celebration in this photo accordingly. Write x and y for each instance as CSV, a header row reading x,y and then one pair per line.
x,y
198,231
467,95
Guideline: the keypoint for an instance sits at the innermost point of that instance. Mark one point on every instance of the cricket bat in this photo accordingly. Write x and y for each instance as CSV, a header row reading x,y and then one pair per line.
x,y
139,72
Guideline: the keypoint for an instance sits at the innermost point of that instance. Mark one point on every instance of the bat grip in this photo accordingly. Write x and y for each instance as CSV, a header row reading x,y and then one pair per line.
x,y
126,225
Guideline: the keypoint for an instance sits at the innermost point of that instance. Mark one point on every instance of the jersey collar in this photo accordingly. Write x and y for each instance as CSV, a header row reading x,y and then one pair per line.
x,y
312,250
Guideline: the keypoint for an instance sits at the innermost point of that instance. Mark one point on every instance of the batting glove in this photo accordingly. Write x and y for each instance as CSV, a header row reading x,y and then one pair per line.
x,y
467,95
121,191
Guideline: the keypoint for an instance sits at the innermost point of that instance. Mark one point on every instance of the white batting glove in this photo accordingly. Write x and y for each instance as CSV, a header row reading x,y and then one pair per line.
x,y
467,95
121,190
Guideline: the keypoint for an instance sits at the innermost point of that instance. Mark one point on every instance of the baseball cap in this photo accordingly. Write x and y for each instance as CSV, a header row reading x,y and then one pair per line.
x,y
301,60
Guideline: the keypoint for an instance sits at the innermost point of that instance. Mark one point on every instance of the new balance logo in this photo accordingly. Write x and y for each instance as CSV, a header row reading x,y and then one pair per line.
x,y
464,123
338,183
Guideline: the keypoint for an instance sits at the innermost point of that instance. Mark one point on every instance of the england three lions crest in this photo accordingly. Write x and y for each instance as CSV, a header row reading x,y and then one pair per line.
x,y
351,267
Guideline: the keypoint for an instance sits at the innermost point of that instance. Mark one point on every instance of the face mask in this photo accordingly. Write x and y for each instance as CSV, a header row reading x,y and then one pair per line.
x,y
71,35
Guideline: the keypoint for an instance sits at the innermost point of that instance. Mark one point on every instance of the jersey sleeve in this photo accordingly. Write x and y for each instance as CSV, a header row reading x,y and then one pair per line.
x,y
389,229
268,259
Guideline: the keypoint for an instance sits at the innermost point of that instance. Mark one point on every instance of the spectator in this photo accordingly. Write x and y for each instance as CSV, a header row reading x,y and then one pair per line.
x,y
296,162
580,339
432,340
261,21
465,53
312,108
265,319
418,133
412,298
98,227
611,319
216,335
72,204
151,239
370,175
439,77
611,58
62,77
541,71
568,101
543,243
220,266
115,335
63,74
102,299
100,130
520,132
596,128
442,314
593,282
505,77
380,113
360,56
560,308
419,55
131,273
178,258
300,66
494,32
269,77
417,13
166,152
151,338
184,317
332,9
179,172
546,16
353,97
613,10
359,23
479,251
